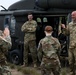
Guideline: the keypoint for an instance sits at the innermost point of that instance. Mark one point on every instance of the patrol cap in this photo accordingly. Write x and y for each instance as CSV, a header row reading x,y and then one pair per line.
x,y
48,29
38,19
45,19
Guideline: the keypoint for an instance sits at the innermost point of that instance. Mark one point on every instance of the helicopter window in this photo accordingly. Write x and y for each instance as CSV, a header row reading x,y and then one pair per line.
x,y
7,21
12,25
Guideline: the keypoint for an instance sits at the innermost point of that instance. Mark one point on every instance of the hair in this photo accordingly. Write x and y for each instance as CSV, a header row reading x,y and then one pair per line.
x,y
48,29
30,13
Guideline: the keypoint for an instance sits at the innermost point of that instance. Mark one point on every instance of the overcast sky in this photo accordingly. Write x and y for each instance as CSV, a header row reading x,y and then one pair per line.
x,y
7,3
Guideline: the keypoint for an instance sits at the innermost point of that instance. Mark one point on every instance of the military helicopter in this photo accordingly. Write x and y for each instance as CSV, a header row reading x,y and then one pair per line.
x,y
56,12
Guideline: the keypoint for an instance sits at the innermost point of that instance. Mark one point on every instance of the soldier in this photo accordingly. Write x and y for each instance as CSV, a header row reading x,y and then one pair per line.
x,y
6,35
72,45
29,28
4,46
48,50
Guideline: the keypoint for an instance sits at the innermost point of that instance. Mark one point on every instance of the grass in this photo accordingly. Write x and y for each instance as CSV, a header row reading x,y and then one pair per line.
x,y
12,66
29,71
64,71
25,70
33,71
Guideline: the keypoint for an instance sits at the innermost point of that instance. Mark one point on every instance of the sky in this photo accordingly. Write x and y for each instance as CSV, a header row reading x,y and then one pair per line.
x,y
7,3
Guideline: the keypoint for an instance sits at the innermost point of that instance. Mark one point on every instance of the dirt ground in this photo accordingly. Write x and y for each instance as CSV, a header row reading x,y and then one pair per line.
x,y
15,72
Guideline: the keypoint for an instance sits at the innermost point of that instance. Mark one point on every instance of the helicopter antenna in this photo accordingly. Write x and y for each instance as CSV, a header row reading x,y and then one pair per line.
x,y
3,7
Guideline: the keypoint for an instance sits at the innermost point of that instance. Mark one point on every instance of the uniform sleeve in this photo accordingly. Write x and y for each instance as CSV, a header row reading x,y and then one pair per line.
x,y
35,23
3,46
33,27
1,42
24,28
39,49
29,26
68,29
5,42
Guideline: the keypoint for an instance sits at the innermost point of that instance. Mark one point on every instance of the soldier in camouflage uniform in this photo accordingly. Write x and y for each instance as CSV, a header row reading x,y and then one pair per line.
x,y
6,35
5,44
29,28
2,56
48,50
72,45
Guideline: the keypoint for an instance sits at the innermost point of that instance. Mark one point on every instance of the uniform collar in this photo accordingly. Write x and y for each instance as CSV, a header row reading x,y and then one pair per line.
x,y
74,23
49,34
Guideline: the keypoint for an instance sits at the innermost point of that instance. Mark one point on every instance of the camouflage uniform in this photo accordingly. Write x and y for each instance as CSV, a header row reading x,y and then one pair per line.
x,y
48,50
29,28
4,46
72,47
